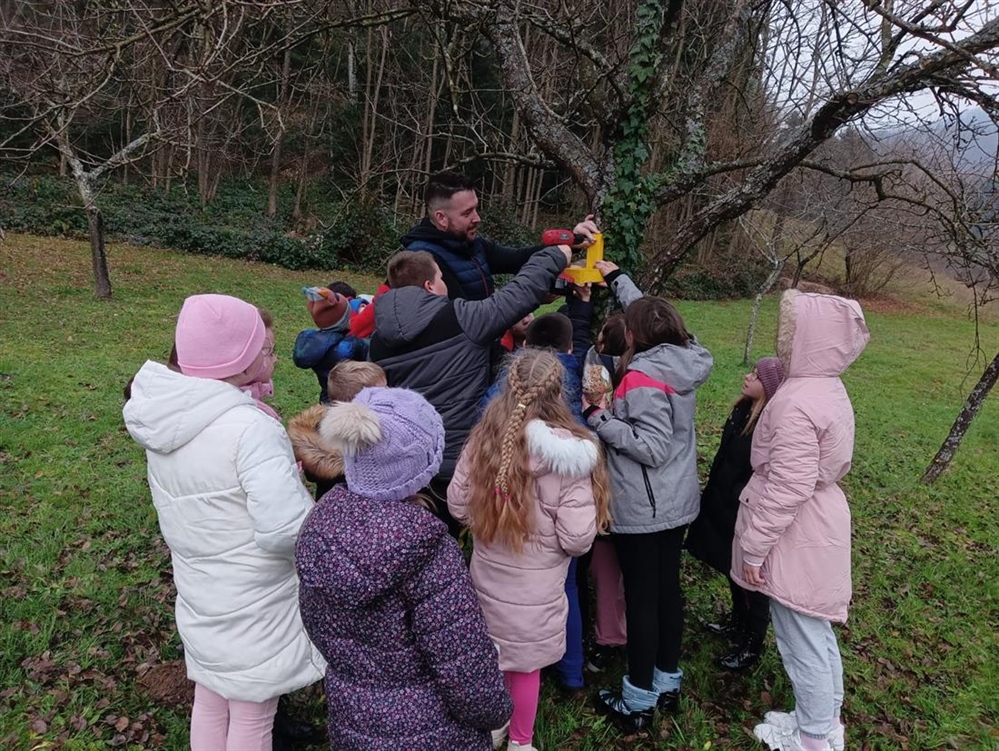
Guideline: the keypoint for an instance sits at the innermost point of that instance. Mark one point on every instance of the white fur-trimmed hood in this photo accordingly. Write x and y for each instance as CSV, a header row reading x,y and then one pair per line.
x,y
561,452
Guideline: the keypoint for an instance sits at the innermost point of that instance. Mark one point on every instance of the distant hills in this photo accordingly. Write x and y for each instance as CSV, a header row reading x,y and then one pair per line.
x,y
974,135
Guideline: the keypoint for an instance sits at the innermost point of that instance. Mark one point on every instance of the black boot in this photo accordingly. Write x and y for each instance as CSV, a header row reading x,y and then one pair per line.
x,y
669,701
748,654
629,721
290,731
728,626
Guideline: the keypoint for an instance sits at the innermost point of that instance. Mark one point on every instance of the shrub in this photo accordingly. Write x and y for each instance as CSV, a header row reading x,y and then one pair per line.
x,y
234,225
360,237
725,277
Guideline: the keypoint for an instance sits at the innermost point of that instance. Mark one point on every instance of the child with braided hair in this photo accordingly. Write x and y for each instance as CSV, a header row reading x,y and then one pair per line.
x,y
532,487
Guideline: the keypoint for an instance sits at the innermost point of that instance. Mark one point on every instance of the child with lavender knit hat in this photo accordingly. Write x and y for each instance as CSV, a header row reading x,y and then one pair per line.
x,y
385,593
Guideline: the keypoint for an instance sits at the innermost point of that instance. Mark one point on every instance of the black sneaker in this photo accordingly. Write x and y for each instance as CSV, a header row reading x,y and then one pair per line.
x,y
602,657
628,721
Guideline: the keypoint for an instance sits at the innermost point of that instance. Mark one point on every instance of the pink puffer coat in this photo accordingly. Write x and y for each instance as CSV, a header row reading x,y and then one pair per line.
x,y
523,594
793,516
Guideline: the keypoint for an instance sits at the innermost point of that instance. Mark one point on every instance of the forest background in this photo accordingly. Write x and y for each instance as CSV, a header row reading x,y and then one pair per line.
x,y
720,144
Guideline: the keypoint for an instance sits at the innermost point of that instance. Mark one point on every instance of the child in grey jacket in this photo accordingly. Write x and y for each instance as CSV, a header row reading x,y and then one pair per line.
x,y
648,430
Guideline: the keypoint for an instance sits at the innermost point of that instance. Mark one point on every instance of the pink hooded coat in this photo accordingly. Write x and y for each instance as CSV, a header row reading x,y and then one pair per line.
x,y
793,516
523,594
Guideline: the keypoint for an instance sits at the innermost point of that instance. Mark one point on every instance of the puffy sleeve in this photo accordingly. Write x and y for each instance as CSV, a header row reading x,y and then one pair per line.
x,y
451,634
276,499
792,473
576,516
458,490
640,424
482,321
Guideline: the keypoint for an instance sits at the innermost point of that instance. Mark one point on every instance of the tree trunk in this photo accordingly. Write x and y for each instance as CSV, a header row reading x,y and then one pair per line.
x,y
98,256
128,139
352,70
964,418
771,279
282,99
296,212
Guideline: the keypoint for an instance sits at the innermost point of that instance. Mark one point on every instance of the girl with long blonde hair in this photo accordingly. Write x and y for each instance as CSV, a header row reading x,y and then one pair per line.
x,y
532,487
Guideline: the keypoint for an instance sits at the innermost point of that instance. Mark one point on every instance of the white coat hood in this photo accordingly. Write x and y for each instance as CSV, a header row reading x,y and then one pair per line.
x,y
168,409
559,451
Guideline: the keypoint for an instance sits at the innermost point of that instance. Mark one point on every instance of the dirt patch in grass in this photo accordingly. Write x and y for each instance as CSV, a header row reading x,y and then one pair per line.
x,y
167,684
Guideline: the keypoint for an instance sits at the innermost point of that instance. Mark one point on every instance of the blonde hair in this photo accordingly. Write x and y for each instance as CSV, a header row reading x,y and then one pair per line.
x,y
755,410
502,496
348,377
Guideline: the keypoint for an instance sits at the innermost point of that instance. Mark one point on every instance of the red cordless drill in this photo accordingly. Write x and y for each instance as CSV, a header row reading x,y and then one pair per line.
x,y
561,237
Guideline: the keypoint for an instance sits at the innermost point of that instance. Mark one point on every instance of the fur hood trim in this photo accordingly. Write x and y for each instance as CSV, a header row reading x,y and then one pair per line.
x,y
560,451
318,458
785,328
351,427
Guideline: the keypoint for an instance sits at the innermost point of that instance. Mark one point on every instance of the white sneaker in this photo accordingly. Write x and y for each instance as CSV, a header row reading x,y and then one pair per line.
x,y
514,746
781,739
788,721
500,735
775,736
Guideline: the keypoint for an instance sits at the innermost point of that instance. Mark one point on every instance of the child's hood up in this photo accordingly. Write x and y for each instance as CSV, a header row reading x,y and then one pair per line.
x,y
819,335
168,409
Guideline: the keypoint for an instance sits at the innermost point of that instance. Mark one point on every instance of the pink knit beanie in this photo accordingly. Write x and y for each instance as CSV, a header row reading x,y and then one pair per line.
x,y
217,336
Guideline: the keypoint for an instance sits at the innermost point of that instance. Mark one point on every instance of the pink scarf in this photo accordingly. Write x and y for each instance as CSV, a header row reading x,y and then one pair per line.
x,y
259,391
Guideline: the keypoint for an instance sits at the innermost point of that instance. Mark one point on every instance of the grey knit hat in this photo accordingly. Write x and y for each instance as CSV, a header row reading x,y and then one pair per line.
x,y
392,442
770,371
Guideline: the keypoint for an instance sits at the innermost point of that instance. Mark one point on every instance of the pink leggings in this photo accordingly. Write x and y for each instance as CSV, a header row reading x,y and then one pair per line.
x,y
524,689
220,724
611,629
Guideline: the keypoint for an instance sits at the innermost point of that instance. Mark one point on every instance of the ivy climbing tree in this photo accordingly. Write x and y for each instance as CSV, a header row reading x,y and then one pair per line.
x,y
696,111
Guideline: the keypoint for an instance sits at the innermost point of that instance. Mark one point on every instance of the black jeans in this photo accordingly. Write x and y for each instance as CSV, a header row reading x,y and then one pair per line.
x,y
751,610
653,601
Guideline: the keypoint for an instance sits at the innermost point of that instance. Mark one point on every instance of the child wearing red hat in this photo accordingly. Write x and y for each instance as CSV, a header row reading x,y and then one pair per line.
x,y
322,348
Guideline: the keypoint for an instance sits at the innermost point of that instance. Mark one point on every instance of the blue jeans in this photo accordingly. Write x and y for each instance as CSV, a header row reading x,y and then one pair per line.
x,y
570,667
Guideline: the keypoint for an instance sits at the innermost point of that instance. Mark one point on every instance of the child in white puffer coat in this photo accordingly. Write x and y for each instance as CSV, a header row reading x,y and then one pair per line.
x,y
230,503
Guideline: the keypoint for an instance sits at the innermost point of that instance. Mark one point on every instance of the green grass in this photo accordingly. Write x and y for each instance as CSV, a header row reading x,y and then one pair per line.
x,y
85,586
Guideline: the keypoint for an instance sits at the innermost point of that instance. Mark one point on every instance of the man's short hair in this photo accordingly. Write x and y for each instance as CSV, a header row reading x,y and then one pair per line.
x,y
552,330
442,186
347,379
411,268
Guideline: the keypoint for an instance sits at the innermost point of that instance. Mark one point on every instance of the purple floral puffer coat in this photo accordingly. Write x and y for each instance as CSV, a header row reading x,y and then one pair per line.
x,y
386,598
